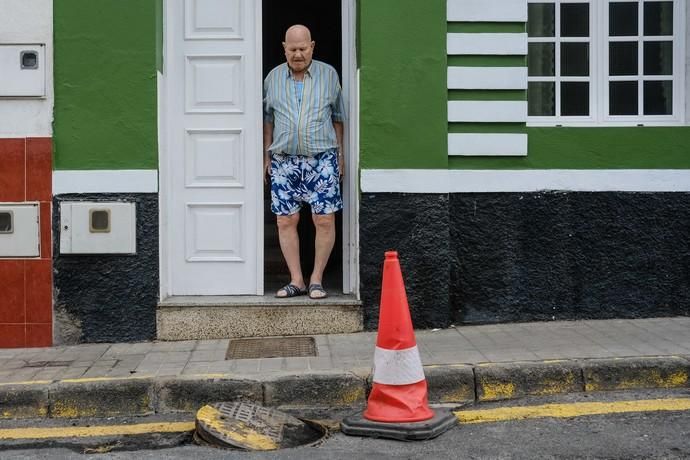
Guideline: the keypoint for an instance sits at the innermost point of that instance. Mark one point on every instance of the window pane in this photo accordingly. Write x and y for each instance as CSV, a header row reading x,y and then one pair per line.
x,y
575,59
6,222
574,19
658,98
575,98
623,19
658,58
541,60
623,58
541,20
623,98
541,98
658,18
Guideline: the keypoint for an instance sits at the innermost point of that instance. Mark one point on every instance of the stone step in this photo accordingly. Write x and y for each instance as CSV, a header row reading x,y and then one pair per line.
x,y
222,317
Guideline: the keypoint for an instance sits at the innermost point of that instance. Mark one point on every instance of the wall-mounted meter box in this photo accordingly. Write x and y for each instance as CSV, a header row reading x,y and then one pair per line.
x,y
97,228
22,70
19,230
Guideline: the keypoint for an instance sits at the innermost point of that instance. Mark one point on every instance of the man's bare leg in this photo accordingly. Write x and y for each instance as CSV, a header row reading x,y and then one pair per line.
x,y
289,245
325,239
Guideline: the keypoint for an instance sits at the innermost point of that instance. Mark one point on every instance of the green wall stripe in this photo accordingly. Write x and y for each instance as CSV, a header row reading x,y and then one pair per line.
x,y
105,114
486,95
594,148
403,84
487,61
518,128
159,35
358,33
486,27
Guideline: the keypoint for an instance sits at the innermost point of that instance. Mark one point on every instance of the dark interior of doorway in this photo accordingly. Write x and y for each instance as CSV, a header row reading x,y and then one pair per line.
x,y
323,18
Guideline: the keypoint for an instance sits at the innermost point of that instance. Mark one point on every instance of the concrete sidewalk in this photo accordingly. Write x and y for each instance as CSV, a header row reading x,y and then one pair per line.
x,y
462,365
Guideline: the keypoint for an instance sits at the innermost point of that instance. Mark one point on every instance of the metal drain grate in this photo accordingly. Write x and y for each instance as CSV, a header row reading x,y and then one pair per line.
x,y
281,347
252,427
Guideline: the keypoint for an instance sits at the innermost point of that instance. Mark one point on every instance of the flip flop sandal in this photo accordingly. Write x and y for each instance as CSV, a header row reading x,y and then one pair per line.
x,y
317,288
290,291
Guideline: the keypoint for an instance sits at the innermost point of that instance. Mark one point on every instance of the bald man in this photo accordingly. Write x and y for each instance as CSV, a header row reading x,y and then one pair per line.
x,y
303,154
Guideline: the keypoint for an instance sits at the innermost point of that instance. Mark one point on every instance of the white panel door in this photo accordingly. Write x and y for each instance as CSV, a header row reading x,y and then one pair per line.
x,y
212,114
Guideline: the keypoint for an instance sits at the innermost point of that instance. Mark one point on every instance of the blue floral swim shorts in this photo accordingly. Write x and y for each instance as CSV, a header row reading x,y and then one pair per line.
x,y
299,179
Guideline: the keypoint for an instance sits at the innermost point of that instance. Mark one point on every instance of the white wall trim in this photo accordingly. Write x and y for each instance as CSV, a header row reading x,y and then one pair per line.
x,y
106,181
494,144
487,111
487,77
477,10
487,43
477,181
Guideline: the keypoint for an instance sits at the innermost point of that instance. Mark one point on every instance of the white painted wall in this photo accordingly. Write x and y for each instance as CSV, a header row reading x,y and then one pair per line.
x,y
28,21
505,181
477,10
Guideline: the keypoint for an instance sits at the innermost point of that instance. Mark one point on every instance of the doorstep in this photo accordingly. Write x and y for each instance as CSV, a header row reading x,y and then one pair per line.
x,y
221,317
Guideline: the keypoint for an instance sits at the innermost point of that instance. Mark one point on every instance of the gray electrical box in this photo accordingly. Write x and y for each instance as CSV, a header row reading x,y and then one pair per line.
x,y
19,230
97,228
22,70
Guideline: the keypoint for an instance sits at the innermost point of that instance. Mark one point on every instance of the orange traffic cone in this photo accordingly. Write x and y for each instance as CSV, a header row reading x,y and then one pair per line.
x,y
399,393
398,405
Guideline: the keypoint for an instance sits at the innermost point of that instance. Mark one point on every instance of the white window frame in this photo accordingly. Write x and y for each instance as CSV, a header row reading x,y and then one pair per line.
x,y
558,79
599,69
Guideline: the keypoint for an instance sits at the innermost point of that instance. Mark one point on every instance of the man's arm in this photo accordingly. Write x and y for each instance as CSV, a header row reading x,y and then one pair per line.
x,y
268,140
338,126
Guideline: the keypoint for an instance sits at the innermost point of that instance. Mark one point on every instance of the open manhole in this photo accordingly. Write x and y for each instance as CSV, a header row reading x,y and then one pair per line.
x,y
249,426
278,347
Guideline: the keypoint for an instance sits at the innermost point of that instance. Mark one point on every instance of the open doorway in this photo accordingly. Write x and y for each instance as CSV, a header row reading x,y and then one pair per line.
x,y
324,19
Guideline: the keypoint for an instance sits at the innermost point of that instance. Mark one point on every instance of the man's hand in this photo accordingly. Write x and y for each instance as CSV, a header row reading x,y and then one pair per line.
x,y
268,140
267,168
341,164
339,130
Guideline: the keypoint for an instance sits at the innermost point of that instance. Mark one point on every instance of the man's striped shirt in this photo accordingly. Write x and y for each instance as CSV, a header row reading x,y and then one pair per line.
x,y
304,128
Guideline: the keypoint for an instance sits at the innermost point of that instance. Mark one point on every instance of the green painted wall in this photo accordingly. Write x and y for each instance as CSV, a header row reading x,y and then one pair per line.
x,y
403,96
159,35
594,148
105,84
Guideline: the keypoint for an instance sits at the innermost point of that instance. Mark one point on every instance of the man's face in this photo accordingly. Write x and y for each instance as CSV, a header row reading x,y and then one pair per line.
x,y
298,53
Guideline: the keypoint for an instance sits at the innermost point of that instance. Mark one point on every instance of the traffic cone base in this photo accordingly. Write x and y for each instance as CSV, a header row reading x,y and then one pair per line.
x,y
443,420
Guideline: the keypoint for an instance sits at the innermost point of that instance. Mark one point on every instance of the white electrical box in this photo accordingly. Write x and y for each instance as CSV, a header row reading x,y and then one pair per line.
x,y
19,230
97,228
23,70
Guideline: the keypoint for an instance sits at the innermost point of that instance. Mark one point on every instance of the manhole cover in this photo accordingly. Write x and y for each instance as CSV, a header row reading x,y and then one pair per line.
x,y
252,427
280,347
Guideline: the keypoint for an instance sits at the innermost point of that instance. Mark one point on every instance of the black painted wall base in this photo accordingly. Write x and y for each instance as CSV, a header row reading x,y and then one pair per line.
x,y
505,257
417,226
108,298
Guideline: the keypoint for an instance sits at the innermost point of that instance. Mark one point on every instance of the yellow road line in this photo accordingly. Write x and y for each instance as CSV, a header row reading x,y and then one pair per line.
x,y
92,431
115,379
28,382
571,410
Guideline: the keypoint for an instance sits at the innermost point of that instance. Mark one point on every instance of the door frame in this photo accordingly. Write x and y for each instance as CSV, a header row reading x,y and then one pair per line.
x,y
350,83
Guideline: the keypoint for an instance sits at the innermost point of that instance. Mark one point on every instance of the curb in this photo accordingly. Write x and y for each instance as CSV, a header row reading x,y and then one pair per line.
x,y
335,390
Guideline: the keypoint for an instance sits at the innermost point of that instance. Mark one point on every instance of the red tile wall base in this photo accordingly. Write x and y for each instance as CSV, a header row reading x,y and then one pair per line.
x,y
26,285
39,335
12,335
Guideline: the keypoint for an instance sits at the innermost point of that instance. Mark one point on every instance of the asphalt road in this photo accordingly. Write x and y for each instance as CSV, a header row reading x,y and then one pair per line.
x,y
639,435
